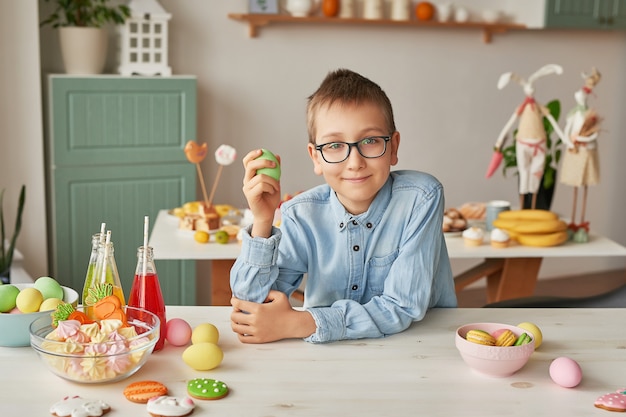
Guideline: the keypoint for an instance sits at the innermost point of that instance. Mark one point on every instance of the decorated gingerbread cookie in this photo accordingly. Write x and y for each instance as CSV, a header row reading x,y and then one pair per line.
x,y
79,407
207,389
142,391
613,401
165,406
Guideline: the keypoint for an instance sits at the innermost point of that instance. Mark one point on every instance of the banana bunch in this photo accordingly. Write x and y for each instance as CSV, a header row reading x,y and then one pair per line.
x,y
533,227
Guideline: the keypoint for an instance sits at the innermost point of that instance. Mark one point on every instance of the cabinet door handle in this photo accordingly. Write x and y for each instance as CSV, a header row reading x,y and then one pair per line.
x,y
609,21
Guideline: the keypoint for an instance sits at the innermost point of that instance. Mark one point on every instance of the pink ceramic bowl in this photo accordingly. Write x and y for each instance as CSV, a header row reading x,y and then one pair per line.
x,y
495,361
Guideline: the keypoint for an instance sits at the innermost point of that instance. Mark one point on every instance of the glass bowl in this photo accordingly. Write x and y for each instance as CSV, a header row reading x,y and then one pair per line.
x,y
116,355
495,361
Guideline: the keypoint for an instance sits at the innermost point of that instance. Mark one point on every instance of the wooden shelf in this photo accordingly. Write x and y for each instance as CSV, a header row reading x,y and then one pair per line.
x,y
256,21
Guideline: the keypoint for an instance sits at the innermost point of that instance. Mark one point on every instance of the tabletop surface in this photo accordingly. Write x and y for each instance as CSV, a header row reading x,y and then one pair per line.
x,y
170,242
416,372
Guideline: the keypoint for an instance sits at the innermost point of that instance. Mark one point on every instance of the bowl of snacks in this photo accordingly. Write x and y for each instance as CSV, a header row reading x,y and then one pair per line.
x,y
21,304
494,349
81,350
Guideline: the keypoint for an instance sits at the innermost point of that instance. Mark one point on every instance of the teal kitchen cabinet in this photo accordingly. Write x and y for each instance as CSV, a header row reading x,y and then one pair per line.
x,y
114,154
586,14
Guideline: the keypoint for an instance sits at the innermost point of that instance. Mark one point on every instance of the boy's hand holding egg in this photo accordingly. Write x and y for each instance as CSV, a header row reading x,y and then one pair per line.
x,y
270,172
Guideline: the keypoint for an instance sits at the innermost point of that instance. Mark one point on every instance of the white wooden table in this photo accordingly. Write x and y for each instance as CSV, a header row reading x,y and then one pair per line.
x,y
510,272
415,373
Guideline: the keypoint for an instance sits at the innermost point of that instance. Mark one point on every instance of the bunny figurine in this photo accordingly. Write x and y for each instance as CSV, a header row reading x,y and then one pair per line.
x,y
580,163
531,135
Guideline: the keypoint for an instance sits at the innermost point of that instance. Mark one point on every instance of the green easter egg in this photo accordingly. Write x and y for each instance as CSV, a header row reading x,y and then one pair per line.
x,y
270,172
8,295
49,288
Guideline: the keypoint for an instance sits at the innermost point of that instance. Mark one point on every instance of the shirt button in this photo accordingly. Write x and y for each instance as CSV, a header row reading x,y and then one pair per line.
x,y
341,225
355,248
355,287
354,222
369,225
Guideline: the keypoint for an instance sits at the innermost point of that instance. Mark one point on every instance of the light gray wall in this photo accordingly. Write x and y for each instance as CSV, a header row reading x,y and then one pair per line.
x,y
21,137
442,82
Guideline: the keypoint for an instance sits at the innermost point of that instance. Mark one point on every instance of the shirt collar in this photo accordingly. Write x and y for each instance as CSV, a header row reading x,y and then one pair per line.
x,y
371,217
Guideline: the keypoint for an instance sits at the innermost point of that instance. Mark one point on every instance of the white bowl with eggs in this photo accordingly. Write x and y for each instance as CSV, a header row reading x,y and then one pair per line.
x,y
14,327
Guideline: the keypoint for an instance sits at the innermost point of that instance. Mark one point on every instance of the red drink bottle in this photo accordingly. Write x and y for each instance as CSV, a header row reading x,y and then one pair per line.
x,y
146,290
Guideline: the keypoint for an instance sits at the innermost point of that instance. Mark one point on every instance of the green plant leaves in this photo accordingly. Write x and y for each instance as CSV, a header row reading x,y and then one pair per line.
x,y
86,13
6,256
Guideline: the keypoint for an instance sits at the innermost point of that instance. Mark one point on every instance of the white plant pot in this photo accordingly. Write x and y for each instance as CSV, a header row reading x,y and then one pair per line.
x,y
84,49
300,8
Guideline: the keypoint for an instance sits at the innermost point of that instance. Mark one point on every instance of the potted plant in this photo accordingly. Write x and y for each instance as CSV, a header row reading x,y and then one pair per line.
x,y
553,156
82,35
7,248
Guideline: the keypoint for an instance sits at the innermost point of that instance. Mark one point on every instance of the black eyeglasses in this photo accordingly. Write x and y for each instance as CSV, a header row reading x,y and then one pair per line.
x,y
369,147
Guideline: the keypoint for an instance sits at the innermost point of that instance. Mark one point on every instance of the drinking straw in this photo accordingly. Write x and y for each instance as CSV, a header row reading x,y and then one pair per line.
x,y
106,257
146,223
102,236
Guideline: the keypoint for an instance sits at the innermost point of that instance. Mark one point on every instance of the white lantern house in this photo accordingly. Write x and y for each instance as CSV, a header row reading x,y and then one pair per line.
x,y
143,40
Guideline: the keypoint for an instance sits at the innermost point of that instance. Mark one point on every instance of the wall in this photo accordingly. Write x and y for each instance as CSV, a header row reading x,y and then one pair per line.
x,y
252,93
21,136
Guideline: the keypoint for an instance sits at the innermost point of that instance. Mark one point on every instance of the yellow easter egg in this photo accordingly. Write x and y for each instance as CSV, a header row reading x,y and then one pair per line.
x,y
50,304
205,332
534,330
203,356
29,300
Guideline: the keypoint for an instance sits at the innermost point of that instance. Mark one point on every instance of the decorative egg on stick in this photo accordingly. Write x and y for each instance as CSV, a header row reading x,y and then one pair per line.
x,y
224,155
195,154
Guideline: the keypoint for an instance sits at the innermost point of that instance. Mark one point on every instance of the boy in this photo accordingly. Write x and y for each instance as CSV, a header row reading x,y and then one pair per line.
x,y
370,240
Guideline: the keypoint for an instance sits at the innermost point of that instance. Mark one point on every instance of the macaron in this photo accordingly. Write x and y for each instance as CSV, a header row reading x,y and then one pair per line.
x,y
505,338
270,172
534,330
481,337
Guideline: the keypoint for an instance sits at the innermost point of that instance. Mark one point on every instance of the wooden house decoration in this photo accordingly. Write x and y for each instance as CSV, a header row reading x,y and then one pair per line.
x,y
143,49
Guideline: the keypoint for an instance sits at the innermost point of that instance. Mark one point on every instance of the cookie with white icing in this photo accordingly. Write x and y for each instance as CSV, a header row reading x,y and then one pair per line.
x,y
207,389
613,401
166,406
77,406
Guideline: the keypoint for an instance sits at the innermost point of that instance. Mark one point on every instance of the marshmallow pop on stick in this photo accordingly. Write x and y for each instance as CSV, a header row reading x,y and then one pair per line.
x,y
224,155
195,154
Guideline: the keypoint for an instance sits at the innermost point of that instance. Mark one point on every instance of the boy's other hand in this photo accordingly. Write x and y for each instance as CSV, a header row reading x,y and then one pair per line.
x,y
270,321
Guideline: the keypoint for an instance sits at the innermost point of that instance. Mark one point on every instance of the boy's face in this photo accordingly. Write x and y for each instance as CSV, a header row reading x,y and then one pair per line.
x,y
356,180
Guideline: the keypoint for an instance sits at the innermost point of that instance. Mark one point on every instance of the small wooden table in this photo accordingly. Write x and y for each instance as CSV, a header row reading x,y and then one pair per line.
x,y
418,372
510,272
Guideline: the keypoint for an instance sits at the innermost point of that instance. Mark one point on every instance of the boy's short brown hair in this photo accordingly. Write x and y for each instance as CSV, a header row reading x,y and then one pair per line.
x,y
347,87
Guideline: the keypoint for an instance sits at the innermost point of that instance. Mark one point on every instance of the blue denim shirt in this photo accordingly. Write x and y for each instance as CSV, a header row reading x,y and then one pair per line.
x,y
368,275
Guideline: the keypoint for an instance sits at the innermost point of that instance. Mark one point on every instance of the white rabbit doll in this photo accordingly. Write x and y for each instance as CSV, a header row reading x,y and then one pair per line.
x,y
531,135
581,167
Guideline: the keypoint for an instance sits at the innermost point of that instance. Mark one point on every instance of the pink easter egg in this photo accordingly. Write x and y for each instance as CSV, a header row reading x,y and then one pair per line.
x,y
177,332
566,372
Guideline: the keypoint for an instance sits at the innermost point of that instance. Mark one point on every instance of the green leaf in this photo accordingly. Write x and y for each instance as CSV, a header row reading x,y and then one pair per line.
x,y
86,13
6,257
